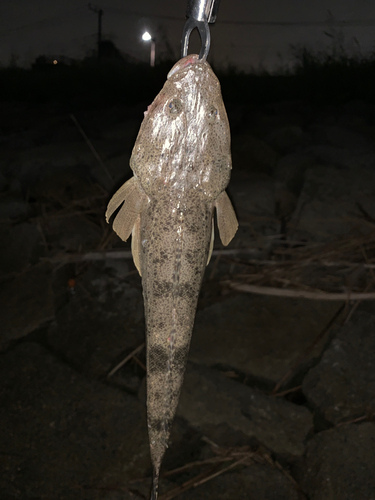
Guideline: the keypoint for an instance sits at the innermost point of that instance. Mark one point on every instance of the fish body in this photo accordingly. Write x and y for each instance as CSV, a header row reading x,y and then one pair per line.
x,y
181,162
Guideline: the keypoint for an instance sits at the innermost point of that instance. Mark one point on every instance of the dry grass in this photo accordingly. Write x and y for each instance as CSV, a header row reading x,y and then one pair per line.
x,y
222,461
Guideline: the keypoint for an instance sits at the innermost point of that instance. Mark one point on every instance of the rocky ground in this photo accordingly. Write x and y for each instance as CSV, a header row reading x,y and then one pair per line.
x,y
279,395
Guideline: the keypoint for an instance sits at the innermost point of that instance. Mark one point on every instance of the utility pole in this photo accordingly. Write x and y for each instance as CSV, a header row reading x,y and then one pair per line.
x,y
100,14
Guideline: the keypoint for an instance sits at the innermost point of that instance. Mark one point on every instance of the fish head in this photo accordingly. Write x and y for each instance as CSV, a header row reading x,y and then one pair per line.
x,y
184,140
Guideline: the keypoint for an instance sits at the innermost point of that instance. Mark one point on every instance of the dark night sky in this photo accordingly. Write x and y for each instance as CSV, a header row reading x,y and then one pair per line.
x,y
29,28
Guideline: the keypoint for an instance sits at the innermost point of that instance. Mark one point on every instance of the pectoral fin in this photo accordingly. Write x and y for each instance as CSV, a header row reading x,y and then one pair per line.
x,y
119,197
134,201
211,242
226,218
136,244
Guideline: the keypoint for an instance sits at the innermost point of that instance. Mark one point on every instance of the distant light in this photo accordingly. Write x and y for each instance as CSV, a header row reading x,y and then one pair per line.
x,y
146,36
55,62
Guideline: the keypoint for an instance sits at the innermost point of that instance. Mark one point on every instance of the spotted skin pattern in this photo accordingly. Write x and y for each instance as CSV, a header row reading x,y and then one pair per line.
x,y
181,163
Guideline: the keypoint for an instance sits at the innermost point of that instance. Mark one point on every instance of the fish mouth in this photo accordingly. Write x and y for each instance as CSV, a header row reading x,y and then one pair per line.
x,y
183,63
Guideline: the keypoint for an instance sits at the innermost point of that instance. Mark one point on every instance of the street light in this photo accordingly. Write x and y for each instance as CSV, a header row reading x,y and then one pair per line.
x,y
146,37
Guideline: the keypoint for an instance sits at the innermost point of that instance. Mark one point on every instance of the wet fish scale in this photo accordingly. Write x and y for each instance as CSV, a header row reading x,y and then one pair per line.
x,y
181,163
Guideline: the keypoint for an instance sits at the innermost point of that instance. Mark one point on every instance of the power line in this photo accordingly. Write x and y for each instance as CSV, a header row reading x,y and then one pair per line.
x,y
48,21
133,13
330,22
58,19
333,24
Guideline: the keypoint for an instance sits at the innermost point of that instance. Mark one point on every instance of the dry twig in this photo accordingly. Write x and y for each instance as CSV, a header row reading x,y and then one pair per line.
x,y
307,351
238,456
126,359
369,417
288,391
282,292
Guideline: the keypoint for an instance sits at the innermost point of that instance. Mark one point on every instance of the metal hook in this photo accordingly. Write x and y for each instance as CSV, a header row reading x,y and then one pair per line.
x,y
199,13
204,33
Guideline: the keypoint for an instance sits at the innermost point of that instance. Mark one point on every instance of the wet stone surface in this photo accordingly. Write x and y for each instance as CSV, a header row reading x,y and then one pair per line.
x,y
342,384
328,204
258,482
26,303
339,463
99,325
211,401
22,245
243,333
61,432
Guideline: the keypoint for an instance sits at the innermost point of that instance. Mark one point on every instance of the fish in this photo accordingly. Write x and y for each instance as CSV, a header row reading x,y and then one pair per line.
x,y
182,164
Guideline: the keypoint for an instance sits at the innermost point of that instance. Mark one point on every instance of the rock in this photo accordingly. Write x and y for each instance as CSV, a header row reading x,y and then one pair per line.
x,y
279,115
357,107
185,445
289,178
21,246
253,155
119,169
247,333
285,203
99,326
119,268
64,185
253,194
342,385
357,114
254,201
327,206
72,233
342,157
255,482
17,141
15,188
62,435
340,137
339,464
3,182
288,139
34,163
26,303
210,401
13,207
290,170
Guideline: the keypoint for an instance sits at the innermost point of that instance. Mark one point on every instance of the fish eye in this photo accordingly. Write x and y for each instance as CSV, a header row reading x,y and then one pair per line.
x,y
212,114
175,107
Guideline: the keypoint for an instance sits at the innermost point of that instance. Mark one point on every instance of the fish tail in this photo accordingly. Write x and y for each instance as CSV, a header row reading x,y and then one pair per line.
x,y
155,485
161,416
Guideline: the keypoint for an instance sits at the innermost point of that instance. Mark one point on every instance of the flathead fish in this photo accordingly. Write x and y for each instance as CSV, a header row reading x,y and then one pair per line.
x,y
181,163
